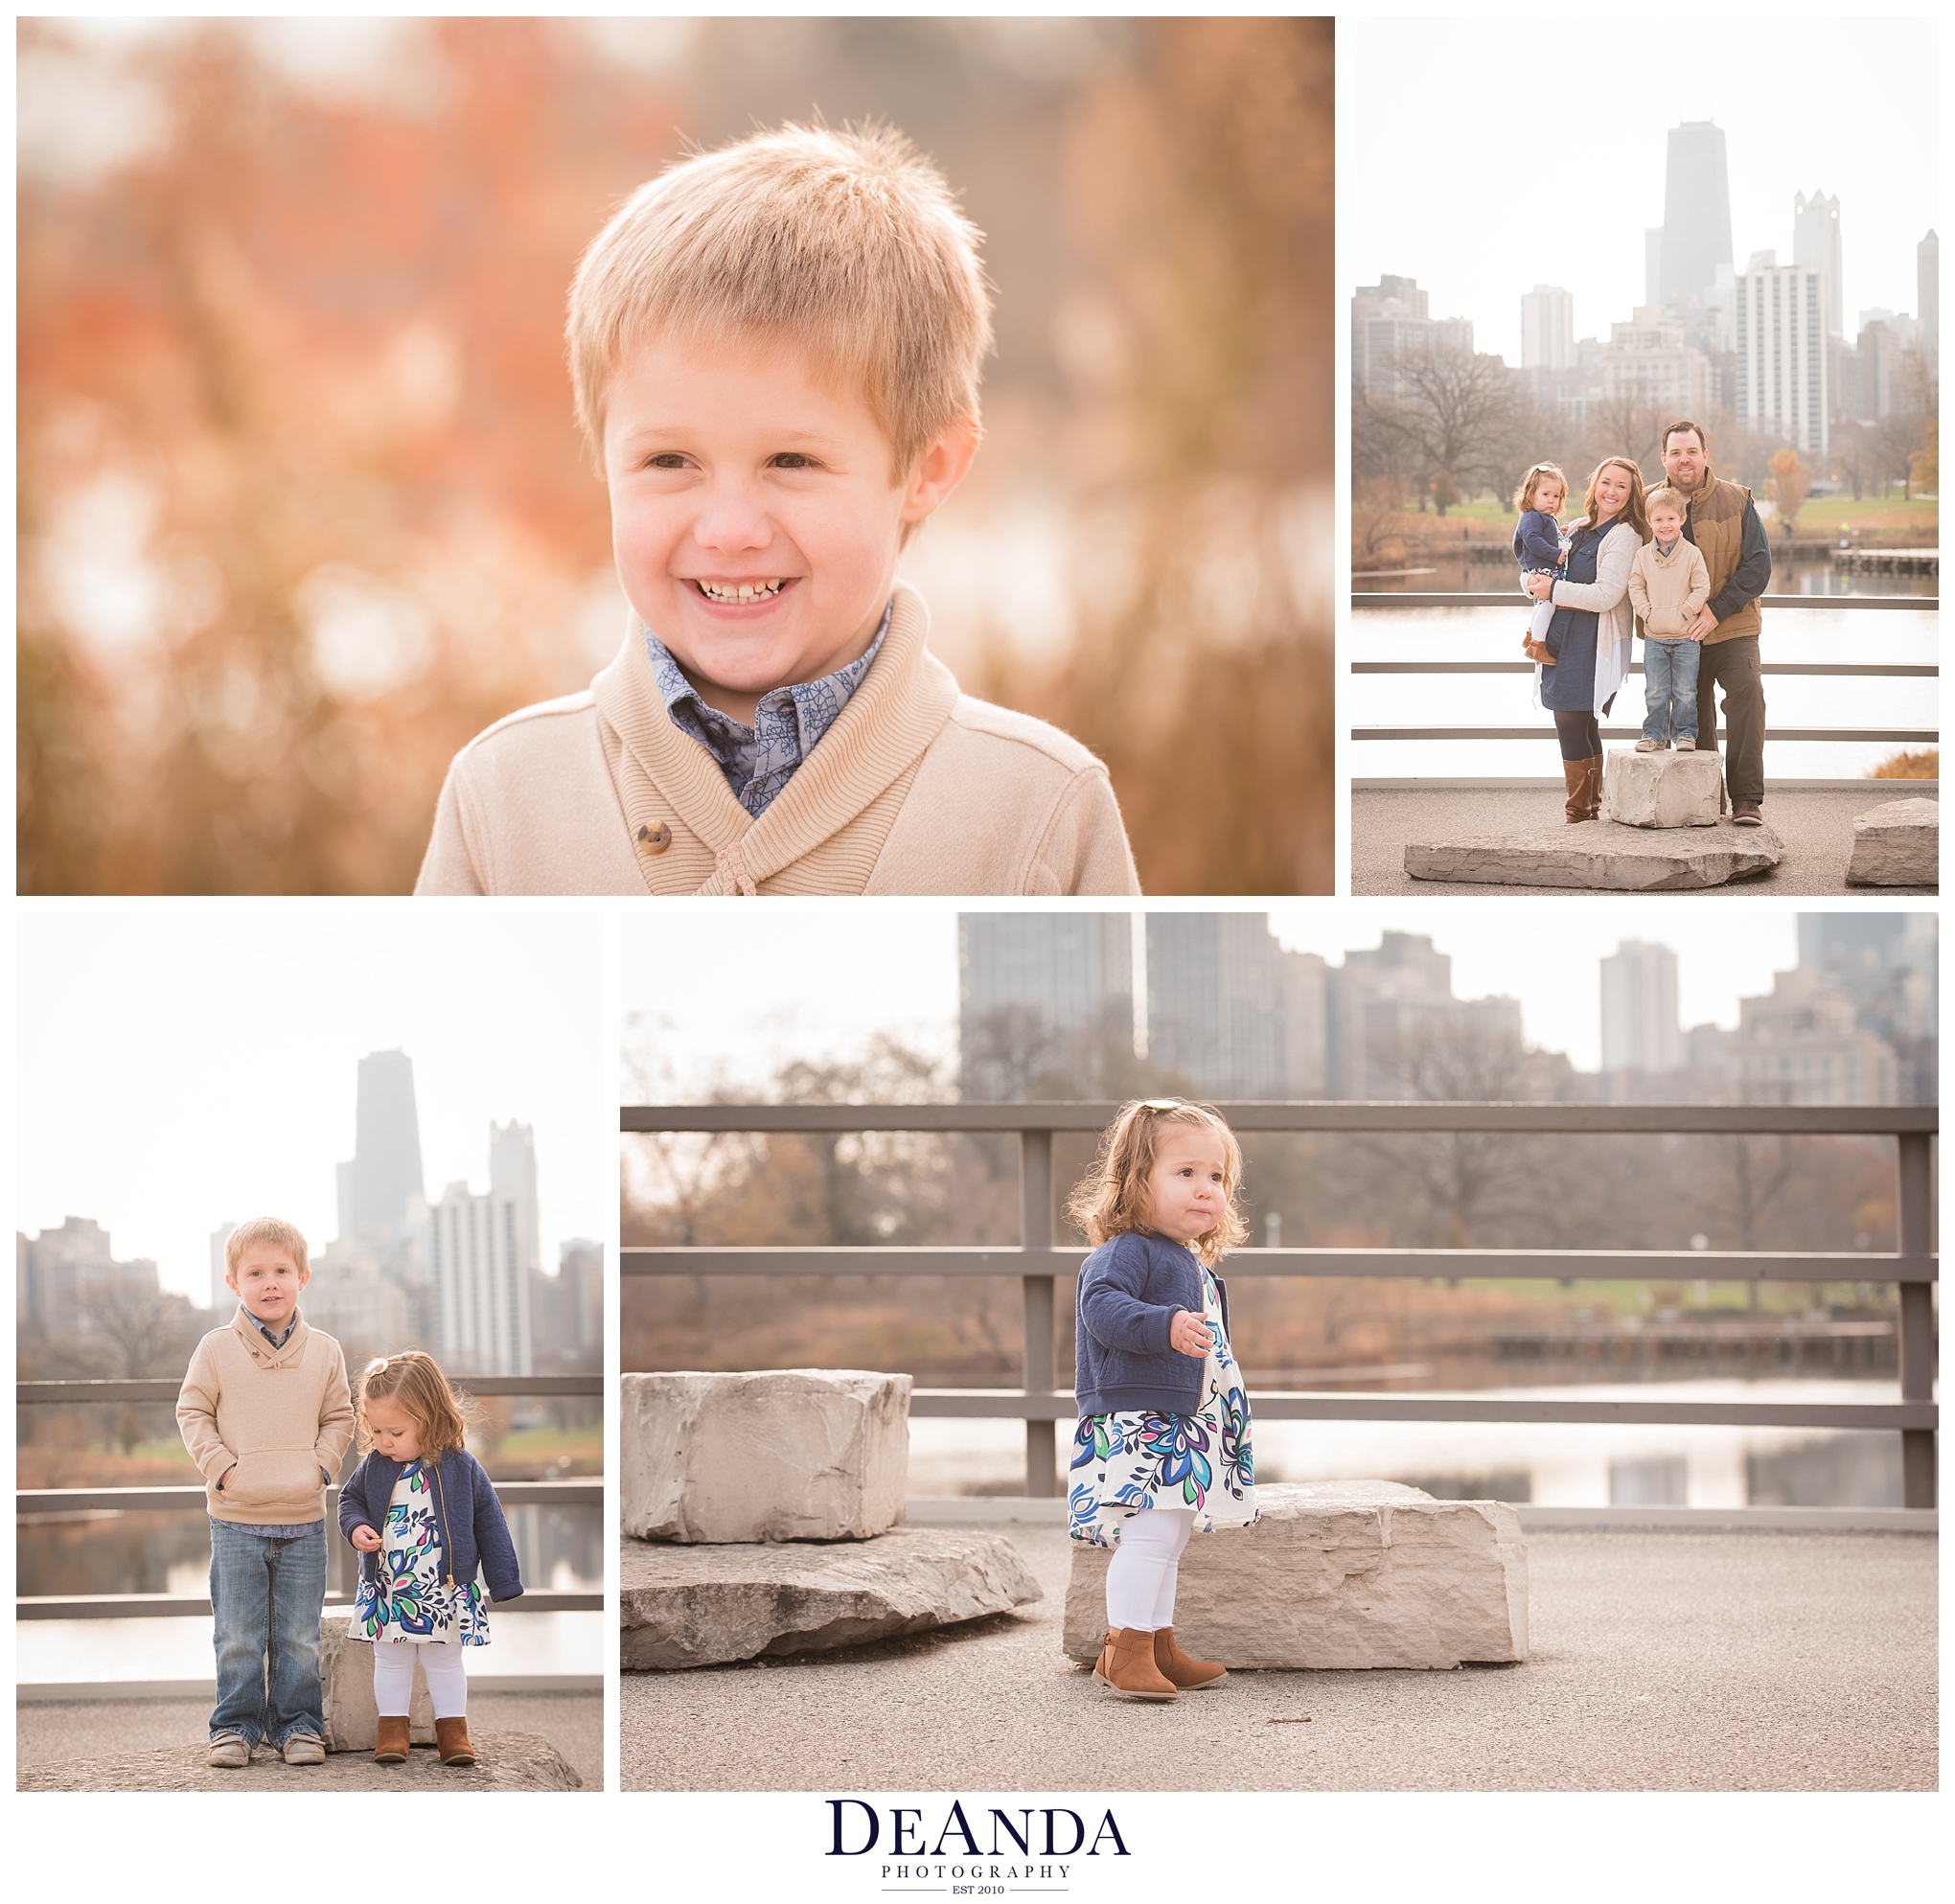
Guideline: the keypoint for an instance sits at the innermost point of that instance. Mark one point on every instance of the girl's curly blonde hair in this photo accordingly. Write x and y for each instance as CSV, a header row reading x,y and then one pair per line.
x,y
414,1384
1111,1198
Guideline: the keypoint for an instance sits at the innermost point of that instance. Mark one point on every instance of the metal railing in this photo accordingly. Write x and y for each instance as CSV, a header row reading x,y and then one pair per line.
x,y
164,1499
1039,1262
1486,598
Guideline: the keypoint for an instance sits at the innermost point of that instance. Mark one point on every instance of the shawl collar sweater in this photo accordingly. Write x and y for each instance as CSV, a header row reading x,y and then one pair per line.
x,y
278,1415
916,788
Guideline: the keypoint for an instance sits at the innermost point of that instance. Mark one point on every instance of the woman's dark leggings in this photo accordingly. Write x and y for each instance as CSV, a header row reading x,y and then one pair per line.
x,y
1580,735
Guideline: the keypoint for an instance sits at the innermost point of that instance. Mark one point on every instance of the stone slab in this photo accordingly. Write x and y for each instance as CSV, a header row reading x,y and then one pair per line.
x,y
776,1454
1600,856
506,1761
346,1676
699,1606
1898,844
1362,1573
1662,790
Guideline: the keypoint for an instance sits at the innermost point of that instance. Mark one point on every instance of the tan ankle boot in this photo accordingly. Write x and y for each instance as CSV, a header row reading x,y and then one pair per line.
x,y
1592,787
451,1742
390,1745
1574,778
1189,1675
1126,1664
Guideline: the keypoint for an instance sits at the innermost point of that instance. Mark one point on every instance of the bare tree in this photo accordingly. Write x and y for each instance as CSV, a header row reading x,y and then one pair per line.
x,y
1451,410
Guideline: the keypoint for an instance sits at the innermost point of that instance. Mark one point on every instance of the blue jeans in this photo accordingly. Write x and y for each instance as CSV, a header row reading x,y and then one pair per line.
x,y
268,1597
1669,690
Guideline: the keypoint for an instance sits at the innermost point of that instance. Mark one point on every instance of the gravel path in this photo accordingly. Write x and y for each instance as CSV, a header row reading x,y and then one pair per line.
x,y
1815,828
1671,1661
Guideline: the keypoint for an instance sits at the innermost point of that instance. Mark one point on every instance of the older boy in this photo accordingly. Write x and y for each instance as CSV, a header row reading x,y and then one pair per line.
x,y
775,349
266,1415
1668,584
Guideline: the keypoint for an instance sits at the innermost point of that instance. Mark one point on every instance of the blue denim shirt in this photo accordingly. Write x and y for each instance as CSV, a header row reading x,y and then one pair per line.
x,y
284,1531
760,760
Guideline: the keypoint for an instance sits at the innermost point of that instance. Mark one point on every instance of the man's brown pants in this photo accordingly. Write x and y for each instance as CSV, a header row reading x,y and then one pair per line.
x,y
1734,665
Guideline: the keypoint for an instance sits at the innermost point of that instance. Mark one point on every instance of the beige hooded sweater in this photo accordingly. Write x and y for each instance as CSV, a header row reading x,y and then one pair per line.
x,y
279,1415
916,788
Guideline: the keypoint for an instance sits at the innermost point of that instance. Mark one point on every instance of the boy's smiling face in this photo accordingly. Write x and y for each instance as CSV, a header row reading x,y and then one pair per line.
x,y
753,514
268,1282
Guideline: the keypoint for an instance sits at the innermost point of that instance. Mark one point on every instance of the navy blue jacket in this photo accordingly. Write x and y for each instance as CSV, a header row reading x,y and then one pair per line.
x,y
1129,1290
466,1510
1537,540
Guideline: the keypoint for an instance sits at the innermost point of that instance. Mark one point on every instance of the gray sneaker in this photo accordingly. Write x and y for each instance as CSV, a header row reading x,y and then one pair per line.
x,y
1646,745
1687,746
303,1748
228,1751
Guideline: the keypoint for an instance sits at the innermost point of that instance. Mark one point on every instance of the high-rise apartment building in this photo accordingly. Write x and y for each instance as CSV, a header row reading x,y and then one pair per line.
x,y
379,1188
482,1292
1640,1030
1928,294
1802,1044
71,1283
1780,337
1385,1003
1390,318
1816,241
1697,212
512,1173
1045,999
1547,329
1229,1010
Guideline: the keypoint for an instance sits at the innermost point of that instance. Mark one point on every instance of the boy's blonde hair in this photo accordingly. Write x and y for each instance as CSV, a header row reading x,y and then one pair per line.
x,y
1664,497
1524,496
1111,1198
272,1230
849,244
415,1385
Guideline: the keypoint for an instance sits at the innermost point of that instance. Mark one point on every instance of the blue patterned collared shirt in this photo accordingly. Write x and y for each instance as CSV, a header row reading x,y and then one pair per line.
x,y
760,760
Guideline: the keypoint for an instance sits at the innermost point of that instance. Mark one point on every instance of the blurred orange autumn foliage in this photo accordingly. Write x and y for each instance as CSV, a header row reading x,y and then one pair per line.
x,y
303,507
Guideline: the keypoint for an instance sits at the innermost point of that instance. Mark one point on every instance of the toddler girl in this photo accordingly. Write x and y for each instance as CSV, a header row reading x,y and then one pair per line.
x,y
1539,545
416,1581
1162,1448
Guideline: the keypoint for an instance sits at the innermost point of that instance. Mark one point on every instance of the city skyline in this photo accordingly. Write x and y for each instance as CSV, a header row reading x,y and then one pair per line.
x,y
1793,125
230,1060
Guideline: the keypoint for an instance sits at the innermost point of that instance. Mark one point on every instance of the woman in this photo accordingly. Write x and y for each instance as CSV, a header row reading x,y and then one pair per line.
x,y
1592,626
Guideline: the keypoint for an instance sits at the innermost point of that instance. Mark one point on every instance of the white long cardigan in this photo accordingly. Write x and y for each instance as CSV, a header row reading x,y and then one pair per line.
x,y
1607,596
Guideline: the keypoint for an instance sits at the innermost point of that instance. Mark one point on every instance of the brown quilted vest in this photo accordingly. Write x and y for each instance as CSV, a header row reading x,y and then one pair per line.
x,y
1717,528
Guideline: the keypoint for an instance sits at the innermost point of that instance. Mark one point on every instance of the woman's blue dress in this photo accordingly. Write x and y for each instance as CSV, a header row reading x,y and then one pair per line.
x,y
1569,686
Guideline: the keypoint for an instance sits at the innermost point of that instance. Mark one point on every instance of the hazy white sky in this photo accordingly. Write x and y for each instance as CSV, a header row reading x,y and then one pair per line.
x,y
178,1070
1482,156
714,992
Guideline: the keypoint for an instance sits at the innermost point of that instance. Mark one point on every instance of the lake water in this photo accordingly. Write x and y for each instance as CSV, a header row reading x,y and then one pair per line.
x,y
1563,1465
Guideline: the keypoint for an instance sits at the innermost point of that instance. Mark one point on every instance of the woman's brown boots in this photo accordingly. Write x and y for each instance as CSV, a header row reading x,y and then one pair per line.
x,y
390,1745
1189,1675
1584,783
451,1741
1126,1664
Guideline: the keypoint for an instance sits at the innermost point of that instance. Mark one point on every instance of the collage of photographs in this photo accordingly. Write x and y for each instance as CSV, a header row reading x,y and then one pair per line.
x,y
1316,1181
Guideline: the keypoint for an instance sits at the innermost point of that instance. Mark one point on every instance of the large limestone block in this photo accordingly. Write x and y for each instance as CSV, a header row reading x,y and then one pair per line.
x,y
1662,790
1344,1574
780,1454
346,1674
698,1606
505,1761
1898,844
1601,856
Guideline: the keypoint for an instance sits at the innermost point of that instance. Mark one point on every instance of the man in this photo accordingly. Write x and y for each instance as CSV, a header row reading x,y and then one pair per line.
x,y
1723,522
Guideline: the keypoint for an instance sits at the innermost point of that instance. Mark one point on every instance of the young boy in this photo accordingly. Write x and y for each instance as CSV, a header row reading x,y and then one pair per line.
x,y
775,349
266,1415
1668,583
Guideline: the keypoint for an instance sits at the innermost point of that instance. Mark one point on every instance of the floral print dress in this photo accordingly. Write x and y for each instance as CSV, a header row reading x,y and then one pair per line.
x,y
1138,1459
411,1597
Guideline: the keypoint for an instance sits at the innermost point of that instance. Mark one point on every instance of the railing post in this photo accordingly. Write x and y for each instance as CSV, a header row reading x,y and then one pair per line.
x,y
1035,1229
1912,1237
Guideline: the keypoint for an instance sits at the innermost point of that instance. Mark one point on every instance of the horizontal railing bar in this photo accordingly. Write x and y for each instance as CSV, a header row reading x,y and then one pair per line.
x,y
1476,1265
1490,598
167,1498
1010,1405
69,1393
1305,1115
1884,736
174,1606
1881,669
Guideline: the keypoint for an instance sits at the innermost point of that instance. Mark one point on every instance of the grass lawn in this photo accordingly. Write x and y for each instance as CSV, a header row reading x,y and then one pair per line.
x,y
1873,514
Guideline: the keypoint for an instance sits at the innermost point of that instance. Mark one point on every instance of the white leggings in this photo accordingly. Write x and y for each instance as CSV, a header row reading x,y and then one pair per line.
x,y
441,1659
1141,1574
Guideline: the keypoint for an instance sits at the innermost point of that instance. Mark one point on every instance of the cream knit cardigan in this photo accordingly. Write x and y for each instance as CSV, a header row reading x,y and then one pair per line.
x,y
916,788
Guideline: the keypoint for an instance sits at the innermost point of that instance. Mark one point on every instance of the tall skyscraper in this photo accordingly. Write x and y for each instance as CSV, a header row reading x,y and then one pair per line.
x,y
1216,1002
1782,352
1640,1027
482,1290
1547,329
512,1173
1696,210
384,1178
1042,996
1383,1001
1816,241
1928,294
